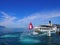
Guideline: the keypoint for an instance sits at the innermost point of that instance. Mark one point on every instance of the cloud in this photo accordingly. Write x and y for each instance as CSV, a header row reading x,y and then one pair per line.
x,y
10,21
7,20
40,16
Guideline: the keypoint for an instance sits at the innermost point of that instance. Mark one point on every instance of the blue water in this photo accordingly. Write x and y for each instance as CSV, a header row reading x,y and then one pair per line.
x,y
24,37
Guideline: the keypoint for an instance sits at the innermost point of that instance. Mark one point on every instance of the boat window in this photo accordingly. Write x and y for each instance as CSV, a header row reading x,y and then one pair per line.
x,y
44,28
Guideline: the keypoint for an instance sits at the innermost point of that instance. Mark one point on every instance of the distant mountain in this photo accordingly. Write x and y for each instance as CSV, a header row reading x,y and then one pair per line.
x,y
2,26
58,25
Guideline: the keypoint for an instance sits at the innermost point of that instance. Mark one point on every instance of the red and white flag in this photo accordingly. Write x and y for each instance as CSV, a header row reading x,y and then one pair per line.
x,y
30,26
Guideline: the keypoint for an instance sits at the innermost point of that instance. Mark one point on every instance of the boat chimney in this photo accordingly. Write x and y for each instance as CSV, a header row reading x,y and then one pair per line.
x,y
50,24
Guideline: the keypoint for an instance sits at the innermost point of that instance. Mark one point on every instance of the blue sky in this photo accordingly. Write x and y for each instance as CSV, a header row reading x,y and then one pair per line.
x,y
18,13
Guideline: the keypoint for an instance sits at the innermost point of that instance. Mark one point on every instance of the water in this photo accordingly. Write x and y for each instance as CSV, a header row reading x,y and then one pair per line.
x,y
25,37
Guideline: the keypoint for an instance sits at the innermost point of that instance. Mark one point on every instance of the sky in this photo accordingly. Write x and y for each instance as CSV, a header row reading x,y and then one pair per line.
x,y
19,13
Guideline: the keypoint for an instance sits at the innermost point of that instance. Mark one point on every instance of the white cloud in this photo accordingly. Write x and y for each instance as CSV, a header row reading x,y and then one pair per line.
x,y
40,16
7,20
10,21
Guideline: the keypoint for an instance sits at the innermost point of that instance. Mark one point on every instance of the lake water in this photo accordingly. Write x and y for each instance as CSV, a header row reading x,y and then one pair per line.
x,y
24,37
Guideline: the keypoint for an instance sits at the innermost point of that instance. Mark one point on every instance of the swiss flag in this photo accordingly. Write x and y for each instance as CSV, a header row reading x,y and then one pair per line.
x,y
30,26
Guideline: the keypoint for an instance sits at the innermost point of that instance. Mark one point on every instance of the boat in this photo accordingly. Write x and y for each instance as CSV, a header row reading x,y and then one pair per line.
x,y
50,28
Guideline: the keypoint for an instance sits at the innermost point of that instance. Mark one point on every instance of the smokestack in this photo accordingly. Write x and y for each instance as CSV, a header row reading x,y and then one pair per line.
x,y
50,24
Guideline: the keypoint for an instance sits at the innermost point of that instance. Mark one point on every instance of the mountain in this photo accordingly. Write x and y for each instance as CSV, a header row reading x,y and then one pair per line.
x,y
2,26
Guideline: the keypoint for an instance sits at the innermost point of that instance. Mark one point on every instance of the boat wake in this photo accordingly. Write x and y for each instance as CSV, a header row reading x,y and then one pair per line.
x,y
27,37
